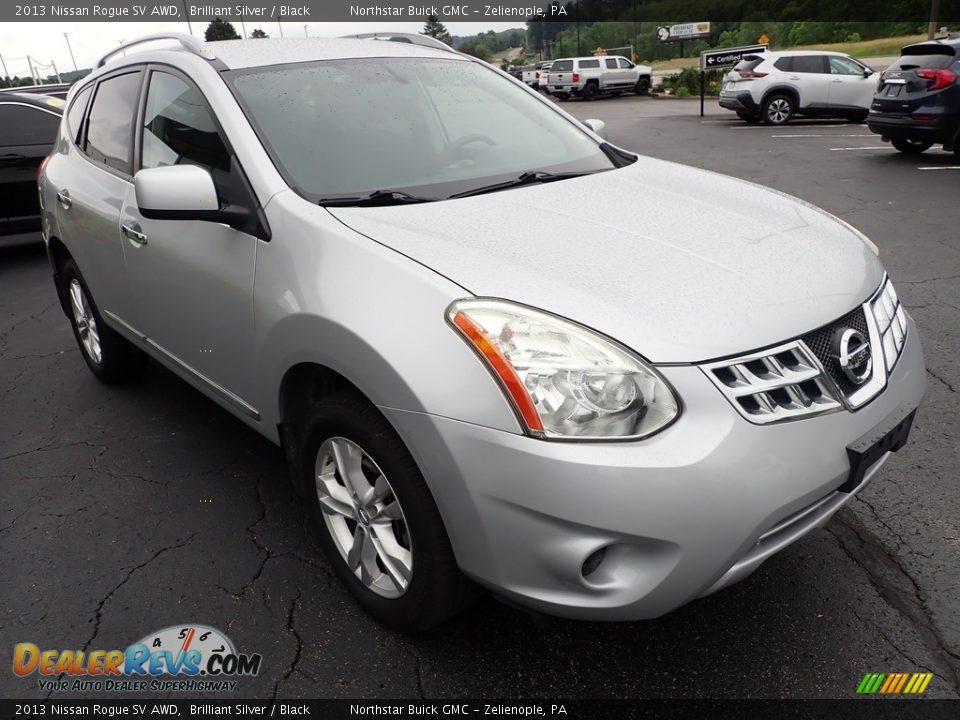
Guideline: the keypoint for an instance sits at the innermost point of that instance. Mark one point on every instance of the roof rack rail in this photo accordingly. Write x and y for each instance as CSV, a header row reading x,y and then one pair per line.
x,y
413,38
188,41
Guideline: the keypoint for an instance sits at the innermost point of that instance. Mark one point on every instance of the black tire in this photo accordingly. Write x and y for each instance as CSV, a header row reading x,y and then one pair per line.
x,y
747,117
562,97
437,589
778,109
590,91
911,147
642,87
118,359
858,117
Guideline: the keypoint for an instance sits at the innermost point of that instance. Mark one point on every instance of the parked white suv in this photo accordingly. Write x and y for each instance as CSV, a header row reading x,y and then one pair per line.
x,y
589,77
774,87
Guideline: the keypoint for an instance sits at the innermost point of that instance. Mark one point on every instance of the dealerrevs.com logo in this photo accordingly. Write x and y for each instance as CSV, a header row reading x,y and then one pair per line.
x,y
185,658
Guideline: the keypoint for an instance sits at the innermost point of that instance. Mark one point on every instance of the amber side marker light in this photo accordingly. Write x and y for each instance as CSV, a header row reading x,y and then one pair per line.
x,y
502,369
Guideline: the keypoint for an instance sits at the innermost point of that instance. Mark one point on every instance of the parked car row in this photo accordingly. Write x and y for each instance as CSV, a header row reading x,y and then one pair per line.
x,y
914,104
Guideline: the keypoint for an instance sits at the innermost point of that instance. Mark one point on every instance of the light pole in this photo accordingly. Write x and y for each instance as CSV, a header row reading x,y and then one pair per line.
x,y
279,25
187,13
305,30
934,11
66,37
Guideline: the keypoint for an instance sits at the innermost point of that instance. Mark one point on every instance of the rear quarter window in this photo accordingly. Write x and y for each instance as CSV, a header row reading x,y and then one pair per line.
x,y
784,64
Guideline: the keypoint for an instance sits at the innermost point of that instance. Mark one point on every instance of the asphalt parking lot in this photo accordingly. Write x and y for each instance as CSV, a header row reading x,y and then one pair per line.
x,y
127,509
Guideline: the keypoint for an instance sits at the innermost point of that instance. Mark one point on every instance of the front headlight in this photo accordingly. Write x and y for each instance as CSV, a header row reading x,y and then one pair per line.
x,y
564,380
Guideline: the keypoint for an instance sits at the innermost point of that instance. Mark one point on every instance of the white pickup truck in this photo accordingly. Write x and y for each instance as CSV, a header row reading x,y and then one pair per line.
x,y
589,77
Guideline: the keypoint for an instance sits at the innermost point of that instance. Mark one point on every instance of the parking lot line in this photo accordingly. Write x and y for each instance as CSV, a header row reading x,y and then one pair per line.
x,y
940,167
767,127
870,147
816,135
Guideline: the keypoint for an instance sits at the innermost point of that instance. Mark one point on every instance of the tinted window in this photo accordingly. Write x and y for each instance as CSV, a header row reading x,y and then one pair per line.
x,y
624,63
589,64
23,125
110,123
178,127
748,63
75,114
611,63
808,64
925,56
844,66
562,66
784,64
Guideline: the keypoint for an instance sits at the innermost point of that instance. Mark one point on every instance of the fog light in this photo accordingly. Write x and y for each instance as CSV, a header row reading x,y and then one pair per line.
x,y
593,561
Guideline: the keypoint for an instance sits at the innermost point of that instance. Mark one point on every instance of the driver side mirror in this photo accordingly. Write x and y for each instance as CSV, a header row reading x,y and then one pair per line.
x,y
597,126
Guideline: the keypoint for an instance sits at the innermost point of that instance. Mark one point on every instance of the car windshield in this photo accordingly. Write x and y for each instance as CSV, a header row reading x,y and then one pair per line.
x,y
428,127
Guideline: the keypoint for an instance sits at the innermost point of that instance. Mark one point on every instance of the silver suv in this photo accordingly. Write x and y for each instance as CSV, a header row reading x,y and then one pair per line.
x,y
775,87
591,77
485,362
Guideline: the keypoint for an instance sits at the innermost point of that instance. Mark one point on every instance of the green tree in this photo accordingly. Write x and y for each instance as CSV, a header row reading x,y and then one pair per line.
x,y
220,29
258,33
436,29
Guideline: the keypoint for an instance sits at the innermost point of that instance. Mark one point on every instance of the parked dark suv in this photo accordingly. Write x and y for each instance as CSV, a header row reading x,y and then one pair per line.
x,y
28,130
917,103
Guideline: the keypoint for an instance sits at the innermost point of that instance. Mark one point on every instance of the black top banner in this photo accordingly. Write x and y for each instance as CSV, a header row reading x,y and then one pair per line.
x,y
569,11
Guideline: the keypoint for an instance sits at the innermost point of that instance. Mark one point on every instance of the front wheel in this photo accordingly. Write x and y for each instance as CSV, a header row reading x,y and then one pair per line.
x,y
643,86
376,519
911,147
110,357
778,109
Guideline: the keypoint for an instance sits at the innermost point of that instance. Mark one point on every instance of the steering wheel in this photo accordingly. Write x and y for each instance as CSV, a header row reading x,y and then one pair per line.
x,y
452,150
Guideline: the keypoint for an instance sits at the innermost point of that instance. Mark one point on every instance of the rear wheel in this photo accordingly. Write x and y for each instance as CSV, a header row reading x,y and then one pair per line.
x,y
376,519
911,147
591,91
778,109
108,355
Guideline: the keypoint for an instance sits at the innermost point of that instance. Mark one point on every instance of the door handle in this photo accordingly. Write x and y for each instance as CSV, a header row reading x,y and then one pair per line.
x,y
63,197
12,158
836,81
134,234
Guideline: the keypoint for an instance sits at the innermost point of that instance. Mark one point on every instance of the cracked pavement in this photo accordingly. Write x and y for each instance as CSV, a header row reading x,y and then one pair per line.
x,y
127,509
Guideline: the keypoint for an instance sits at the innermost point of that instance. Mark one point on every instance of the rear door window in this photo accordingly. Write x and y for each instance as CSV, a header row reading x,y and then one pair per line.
x,y
809,64
589,64
109,138
611,63
26,125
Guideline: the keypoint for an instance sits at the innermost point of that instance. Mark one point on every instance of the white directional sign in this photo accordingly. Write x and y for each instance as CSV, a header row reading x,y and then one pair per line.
x,y
684,31
727,57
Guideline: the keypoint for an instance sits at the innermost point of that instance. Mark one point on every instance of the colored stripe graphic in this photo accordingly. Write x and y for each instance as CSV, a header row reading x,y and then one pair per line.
x,y
894,683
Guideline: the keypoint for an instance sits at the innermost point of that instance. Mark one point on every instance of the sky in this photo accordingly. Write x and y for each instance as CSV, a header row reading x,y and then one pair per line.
x,y
45,42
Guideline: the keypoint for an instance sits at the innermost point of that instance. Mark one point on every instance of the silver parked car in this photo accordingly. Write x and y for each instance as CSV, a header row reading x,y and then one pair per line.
x,y
495,349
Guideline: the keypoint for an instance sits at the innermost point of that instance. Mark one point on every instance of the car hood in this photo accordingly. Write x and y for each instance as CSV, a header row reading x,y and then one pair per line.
x,y
680,264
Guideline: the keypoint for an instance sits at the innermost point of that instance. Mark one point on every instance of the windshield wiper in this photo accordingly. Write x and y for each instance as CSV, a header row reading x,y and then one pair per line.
x,y
532,177
375,198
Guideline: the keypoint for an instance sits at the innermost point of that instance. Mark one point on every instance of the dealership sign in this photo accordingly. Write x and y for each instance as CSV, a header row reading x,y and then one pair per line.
x,y
727,57
684,31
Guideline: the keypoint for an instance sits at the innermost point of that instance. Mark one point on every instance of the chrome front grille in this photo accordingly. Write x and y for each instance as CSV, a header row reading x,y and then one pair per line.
x,y
804,377
774,385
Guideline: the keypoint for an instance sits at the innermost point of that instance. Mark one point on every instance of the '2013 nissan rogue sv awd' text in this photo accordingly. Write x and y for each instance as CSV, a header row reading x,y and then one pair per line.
x,y
495,349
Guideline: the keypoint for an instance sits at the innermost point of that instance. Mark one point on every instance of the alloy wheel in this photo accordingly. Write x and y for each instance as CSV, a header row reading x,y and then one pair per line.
x,y
85,322
364,517
778,110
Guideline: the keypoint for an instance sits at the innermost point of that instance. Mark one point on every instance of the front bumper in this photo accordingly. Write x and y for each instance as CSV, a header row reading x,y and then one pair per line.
x,y
682,514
